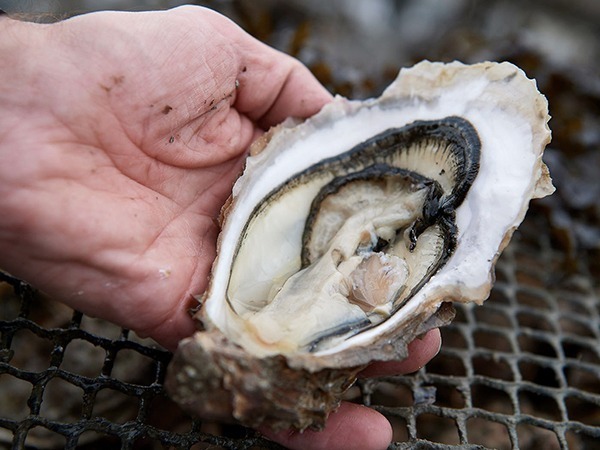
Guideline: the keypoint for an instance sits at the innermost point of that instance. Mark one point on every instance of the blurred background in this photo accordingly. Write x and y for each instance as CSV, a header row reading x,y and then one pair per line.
x,y
523,371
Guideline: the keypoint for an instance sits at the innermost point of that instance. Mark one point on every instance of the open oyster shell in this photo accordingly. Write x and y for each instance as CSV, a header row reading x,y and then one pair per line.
x,y
348,235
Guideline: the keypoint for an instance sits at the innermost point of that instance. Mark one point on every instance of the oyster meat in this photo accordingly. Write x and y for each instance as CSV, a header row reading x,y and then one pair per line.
x,y
351,233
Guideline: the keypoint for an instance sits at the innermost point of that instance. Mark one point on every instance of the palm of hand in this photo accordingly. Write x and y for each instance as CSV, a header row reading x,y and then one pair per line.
x,y
139,153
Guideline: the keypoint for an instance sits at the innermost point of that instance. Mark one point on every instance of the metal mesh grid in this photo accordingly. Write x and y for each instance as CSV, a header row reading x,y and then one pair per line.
x,y
48,405
522,371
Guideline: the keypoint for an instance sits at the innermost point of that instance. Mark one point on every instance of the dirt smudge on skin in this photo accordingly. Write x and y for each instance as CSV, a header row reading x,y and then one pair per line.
x,y
115,80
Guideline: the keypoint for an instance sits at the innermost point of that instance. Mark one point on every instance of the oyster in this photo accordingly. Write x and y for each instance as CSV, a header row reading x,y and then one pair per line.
x,y
349,234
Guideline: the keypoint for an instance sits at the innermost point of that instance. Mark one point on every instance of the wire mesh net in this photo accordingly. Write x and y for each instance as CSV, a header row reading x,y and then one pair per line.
x,y
522,371
69,381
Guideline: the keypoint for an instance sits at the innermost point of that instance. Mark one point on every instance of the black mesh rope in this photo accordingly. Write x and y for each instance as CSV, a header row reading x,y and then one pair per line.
x,y
522,371
125,435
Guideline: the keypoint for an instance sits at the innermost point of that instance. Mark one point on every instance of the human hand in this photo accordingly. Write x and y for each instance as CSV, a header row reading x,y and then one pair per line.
x,y
120,138
122,135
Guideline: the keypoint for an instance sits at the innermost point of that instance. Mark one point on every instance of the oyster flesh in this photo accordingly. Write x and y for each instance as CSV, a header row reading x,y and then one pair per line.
x,y
349,234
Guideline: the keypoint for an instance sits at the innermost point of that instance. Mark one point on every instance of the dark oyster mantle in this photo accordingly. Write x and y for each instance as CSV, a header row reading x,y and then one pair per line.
x,y
348,234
